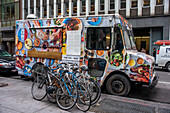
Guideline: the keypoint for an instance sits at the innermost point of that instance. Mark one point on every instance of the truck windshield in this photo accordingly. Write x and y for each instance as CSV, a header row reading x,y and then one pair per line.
x,y
129,40
132,39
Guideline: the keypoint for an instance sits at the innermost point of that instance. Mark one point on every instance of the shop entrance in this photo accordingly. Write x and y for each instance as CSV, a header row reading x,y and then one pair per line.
x,y
142,38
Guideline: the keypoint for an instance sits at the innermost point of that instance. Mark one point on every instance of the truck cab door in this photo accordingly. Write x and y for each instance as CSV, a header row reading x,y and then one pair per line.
x,y
116,56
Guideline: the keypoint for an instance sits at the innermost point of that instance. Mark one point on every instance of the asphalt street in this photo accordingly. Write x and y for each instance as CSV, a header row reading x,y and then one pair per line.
x,y
16,98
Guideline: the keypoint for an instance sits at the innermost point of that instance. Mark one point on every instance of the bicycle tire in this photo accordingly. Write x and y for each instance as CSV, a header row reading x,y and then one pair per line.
x,y
94,88
38,89
84,99
63,99
51,95
51,98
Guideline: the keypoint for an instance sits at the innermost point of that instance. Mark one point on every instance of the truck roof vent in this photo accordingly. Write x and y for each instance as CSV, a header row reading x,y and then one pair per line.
x,y
31,16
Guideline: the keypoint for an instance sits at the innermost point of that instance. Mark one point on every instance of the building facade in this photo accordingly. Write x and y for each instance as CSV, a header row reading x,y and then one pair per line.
x,y
150,18
9,12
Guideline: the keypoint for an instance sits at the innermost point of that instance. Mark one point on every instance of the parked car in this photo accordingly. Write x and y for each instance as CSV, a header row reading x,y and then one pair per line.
x,y
163,57
7,62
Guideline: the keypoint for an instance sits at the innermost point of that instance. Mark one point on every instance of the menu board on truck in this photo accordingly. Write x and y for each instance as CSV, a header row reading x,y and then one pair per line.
x,y
73,42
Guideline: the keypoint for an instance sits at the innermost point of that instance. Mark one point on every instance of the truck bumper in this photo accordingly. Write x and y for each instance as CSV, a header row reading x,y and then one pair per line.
x,y
155,81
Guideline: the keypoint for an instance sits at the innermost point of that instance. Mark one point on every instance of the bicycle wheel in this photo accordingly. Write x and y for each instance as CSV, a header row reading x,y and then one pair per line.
x,y
38,89
84,99
51,96
51,90
67,95
95,91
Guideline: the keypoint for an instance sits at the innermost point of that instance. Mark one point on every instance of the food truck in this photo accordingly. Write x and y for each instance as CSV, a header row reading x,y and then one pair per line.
x,y
104,43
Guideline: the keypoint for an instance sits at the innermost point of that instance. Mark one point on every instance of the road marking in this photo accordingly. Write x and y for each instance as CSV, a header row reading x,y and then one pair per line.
x,y
163,82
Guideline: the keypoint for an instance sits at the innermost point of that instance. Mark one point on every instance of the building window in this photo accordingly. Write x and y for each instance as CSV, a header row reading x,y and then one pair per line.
x,y
38,8
45,8
58,7
92,6
112,5
3,12
25,12
3,24
134,3
123,4
75,6
0,34
25,8
146,2
9,11
16,10
31,6
0,13
51,7
12,12
3,1
25,3
8,1
159,2
66,7
101,5
83,6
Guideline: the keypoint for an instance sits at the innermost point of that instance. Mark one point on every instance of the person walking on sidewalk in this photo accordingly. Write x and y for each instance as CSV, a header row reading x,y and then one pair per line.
x,y
143,50
154,53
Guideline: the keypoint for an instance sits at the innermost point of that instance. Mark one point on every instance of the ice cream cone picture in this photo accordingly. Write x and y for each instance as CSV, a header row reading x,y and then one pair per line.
x,y
28,43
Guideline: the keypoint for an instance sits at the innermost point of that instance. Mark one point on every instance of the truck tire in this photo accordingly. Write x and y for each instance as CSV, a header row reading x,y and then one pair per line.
x,y
168,66
118,85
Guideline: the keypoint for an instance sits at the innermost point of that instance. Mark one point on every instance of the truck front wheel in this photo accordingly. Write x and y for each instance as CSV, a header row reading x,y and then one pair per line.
x,y
118,85
168,66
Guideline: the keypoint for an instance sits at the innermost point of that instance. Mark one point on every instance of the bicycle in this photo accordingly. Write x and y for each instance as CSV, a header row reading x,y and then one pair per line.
x,y
84,99
93,86
65,90
84,78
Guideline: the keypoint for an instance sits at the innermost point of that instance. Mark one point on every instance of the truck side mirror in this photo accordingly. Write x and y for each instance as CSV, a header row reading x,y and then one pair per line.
x,y
113,47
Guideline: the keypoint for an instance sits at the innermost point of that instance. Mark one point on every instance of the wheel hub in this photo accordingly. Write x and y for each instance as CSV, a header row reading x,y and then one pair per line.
x,y
117,86
169,67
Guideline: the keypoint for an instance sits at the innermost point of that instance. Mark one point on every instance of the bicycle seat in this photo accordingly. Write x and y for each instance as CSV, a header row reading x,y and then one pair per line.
x,y
65,71
84,68
74,69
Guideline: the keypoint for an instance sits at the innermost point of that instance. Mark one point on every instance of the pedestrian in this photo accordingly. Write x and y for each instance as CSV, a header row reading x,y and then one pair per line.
x,y
154,53
143,50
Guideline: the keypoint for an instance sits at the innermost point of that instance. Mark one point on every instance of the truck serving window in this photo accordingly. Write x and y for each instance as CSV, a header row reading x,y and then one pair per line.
x,y
50,37
98,38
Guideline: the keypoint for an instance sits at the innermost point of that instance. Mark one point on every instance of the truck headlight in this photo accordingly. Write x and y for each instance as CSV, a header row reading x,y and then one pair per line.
x,y
6,64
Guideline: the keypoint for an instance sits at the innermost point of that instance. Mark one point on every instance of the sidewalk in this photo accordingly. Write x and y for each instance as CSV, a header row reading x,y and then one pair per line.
x,y
16,98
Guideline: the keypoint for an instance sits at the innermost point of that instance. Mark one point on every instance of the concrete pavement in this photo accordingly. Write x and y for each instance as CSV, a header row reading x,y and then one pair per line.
x,y
16,98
